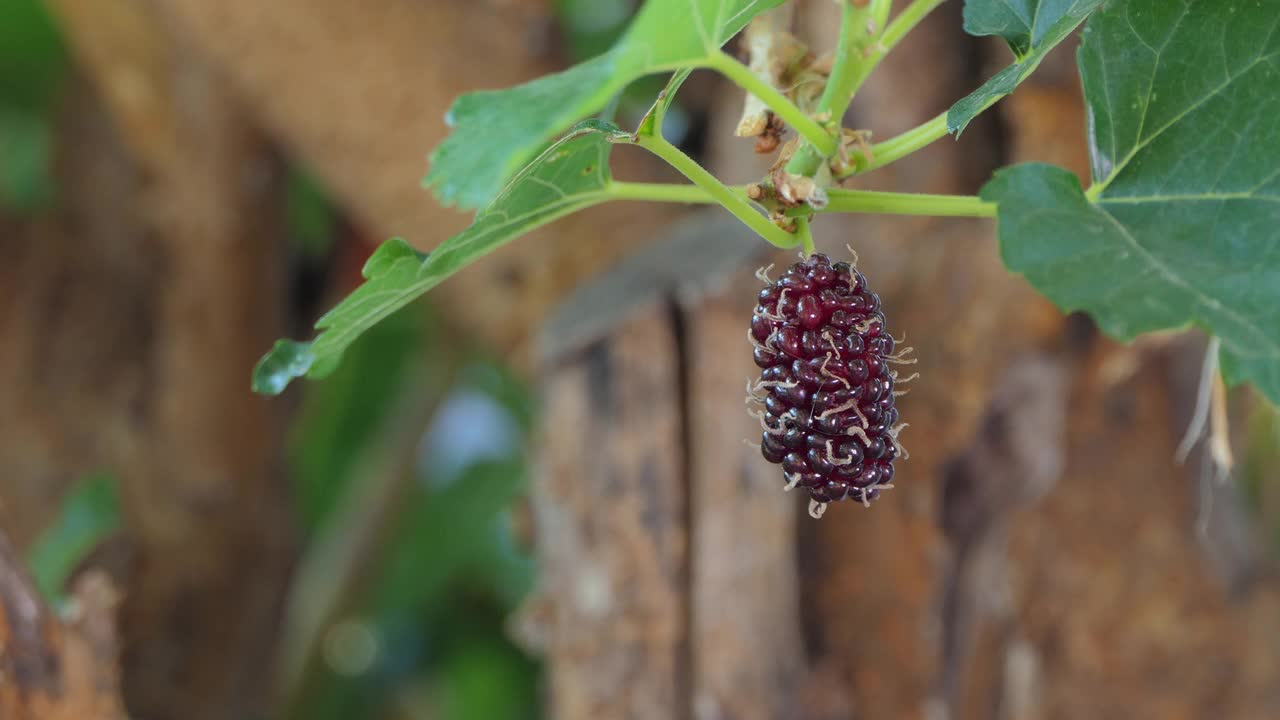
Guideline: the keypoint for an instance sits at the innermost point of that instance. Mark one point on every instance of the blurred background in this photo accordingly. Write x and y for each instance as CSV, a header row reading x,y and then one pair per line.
x,y
528,496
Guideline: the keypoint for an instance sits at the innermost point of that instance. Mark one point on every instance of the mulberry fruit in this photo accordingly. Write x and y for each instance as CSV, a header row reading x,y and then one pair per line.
x,y
826,390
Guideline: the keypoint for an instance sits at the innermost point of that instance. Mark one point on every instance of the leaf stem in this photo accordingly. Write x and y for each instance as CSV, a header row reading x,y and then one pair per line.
x,y
732,199
895,148
651,124
839,200
838,92
894,203
663,192
740,74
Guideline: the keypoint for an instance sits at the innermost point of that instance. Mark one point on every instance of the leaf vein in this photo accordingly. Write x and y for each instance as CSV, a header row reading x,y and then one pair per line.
x,y
1142,144
1174,278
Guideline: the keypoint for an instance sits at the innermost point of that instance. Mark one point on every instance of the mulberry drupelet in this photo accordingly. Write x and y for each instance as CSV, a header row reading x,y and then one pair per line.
x,y
825,384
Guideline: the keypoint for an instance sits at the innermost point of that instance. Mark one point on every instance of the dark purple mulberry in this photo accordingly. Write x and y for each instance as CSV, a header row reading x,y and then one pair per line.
x,y
825,384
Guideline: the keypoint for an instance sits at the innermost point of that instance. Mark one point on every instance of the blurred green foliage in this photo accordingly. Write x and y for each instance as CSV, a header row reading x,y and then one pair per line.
x,y
341,417
433,600
89,513
26,182
483,660
32,64
32,56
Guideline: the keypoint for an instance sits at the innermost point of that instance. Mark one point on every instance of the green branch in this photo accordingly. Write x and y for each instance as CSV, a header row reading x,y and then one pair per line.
x,y
898,147
781,106
838,92
858,52
839,200
894,203
664,192
733,199
880,11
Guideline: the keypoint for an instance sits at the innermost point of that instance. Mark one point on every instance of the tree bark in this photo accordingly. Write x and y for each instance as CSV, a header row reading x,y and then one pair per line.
x,y
142,309
52,669
656,532
616,549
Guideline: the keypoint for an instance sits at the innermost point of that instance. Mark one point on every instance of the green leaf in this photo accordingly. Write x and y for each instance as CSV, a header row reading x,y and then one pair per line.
x,y
437,535
286,361
89,513
570,175
497,131
1182,225
1032,28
